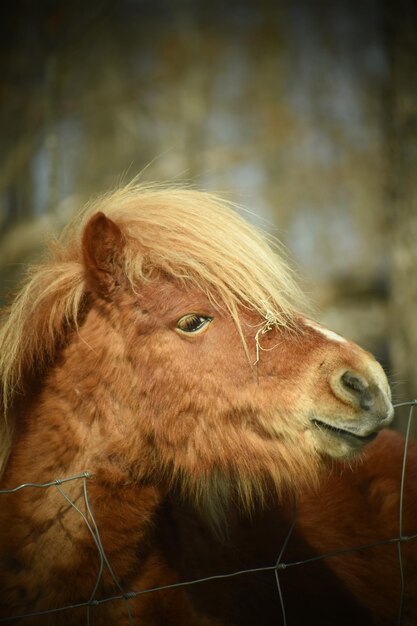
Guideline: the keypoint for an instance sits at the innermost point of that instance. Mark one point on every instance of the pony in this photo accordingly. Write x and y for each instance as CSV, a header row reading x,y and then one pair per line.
x,y
159,372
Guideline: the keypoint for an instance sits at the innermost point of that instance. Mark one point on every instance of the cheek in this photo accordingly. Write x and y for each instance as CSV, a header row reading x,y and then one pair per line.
x,y
218,355
173,373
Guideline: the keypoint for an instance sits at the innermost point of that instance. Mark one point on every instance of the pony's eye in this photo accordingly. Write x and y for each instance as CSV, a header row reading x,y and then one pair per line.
x,y
193,323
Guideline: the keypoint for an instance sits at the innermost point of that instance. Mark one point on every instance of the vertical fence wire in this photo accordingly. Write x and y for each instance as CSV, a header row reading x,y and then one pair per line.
x,y
401,514
279,565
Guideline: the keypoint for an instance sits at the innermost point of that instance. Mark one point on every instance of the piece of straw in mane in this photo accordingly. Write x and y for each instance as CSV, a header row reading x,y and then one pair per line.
x,y
193,236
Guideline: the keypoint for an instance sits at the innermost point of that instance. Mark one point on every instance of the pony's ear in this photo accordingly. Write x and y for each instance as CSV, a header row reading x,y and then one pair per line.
x,y
102,247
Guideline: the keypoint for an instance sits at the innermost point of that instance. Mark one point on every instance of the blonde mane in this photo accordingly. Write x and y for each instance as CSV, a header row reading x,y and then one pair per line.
x,y
196,237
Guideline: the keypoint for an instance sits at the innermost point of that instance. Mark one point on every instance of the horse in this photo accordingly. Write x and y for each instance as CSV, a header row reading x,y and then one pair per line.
x,y
179,434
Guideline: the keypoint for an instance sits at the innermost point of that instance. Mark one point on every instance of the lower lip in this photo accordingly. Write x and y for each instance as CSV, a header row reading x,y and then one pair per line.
x,y
344,434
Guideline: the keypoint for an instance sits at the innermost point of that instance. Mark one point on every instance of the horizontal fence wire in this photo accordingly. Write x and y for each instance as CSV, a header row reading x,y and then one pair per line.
x,y
279,566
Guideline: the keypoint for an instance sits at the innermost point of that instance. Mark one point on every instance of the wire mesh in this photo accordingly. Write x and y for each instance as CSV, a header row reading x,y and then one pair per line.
x,y
278,567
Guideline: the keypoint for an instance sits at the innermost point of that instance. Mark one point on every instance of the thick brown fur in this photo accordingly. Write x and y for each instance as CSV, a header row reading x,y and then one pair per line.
x,y
196,441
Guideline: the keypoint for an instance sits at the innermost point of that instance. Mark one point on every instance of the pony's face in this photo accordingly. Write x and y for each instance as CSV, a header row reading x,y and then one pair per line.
x,y
303,384
208,407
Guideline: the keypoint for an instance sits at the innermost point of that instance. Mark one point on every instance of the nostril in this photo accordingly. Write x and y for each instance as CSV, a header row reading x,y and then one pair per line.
x,y
353,382
358,389
366,400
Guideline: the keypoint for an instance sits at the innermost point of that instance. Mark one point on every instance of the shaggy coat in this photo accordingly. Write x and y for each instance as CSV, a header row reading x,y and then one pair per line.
x,y
161,348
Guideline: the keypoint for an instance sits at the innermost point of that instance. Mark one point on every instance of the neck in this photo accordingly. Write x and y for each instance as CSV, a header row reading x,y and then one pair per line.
x,y
65,432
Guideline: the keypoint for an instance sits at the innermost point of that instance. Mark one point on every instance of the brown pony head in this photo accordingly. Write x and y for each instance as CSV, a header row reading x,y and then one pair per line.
x,y
183,337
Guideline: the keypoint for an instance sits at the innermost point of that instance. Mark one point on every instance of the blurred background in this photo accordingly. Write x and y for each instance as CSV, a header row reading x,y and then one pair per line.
x,y
304,111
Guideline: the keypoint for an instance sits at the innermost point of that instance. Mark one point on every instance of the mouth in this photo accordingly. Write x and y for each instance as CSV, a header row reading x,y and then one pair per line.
x,y
342,433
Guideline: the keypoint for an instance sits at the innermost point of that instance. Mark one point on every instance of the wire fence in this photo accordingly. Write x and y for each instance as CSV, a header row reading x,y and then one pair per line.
x,y
278,567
